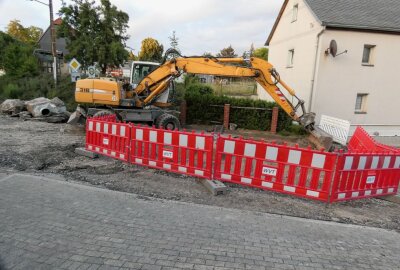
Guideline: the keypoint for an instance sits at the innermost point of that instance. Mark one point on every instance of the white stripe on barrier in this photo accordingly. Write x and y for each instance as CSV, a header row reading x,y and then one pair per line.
x,y
167,138
355,194
153,136
90,147
138,160
90,125
122,156
375,161
182,169
386,162
318,161
367,192
114,129
113,153
341,195
312,193
105,151
348,163
289,188
397,163
250,150
183,140
200,142
167,166
362,162
105,128
245,180
98,127
226,176
139,134
390,190
198,172
152,163
267,184
294,157
97,149
229,147
272,153
122,131
379,191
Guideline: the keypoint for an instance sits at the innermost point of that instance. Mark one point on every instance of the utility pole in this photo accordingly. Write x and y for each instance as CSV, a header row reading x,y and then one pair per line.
x,y
52,37
53,41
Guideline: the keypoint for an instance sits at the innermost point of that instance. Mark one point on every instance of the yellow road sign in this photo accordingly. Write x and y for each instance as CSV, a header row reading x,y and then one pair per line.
x,y
74,65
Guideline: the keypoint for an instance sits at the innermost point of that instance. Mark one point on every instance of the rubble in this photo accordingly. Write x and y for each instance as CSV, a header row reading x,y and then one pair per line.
x,y
12,106
40,109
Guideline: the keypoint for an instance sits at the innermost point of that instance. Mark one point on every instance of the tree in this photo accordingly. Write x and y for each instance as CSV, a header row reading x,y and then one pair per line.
x,y
174,41
17,58
151,50
227,52
95,33
261,53
29,35
208,54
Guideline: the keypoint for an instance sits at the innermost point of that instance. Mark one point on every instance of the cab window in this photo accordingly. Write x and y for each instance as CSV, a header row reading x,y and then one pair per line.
x,y
140,71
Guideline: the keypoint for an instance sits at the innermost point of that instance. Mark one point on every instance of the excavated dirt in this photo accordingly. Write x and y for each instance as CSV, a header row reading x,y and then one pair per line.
x,y
48,149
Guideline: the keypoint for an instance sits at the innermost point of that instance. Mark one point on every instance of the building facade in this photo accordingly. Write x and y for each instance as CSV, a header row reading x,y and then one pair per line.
x,y
361,83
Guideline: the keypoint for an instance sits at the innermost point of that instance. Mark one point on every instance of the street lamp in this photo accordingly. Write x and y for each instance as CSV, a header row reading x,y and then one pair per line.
x,y
53,37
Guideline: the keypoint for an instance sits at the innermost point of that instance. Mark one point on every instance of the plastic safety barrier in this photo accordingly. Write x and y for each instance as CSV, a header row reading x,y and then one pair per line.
x,y
363,175
293,170
361,141
182,152
107,137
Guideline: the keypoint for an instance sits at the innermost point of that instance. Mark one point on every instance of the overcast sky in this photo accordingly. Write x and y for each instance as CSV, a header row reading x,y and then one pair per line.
x,y
201,25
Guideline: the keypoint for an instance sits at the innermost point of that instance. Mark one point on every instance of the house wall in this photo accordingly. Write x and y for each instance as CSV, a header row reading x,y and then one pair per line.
x,y
340,78
300,35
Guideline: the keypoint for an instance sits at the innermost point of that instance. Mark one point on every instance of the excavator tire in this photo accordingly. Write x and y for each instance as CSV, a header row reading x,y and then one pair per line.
x,y
103,113
168,121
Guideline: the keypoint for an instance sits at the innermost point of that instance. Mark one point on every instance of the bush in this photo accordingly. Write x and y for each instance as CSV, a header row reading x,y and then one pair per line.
x,y
198,88
205,108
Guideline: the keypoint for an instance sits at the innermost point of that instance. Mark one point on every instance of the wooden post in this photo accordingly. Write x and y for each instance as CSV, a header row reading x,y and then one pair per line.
x,y
227,109
274,119
183,110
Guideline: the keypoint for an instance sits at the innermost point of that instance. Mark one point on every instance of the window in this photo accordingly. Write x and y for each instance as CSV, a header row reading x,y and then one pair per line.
x,y
290,58
368,55
140,71
361,103
294,12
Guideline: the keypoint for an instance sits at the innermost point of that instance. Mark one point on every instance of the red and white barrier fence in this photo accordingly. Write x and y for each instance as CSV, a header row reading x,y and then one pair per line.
x,y
175,151
307,173
292,170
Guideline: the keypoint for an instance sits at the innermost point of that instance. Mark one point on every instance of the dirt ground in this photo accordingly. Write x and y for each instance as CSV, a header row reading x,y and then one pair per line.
x,y
48,149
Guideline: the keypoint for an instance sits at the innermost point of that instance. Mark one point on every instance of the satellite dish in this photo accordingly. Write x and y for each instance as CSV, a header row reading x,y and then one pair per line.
x,y
333,48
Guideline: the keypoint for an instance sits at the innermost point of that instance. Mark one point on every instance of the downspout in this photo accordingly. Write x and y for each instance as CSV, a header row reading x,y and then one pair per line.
x,y
315,69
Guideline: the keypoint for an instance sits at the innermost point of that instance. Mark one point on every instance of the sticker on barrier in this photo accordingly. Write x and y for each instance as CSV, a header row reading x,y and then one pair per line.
x,y
292,170
364,175
176,151
108,138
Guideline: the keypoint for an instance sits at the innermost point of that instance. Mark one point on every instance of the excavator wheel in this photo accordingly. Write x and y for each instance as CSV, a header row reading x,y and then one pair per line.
x,y
168,122
103,113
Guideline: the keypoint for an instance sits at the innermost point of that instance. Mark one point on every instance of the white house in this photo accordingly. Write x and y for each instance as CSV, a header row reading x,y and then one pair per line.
x,y
362,83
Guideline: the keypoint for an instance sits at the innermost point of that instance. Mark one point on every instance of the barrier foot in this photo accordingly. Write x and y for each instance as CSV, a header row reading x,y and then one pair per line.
x,y
214,186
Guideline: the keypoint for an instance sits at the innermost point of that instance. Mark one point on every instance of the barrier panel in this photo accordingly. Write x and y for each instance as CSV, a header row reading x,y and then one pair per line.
x,y
107,137
361,141
293,170
363,175
175,151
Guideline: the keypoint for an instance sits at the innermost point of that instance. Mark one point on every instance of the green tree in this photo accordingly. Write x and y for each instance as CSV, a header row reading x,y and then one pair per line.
x,y
261,53
28,35
227,52
17,58
174,41
151,50
95,33
208,54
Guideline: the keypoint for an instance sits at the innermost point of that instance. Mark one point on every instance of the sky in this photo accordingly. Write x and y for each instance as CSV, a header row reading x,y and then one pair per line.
x,y
201,25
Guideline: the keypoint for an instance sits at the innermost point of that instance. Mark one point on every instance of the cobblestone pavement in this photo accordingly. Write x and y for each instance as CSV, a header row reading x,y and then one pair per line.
x,y
50,224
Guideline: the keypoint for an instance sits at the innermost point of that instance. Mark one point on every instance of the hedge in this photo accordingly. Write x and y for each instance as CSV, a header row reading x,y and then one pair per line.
x,y
201,110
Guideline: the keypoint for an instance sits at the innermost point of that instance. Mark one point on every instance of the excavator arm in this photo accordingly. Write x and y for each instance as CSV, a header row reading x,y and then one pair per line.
x,y
263,72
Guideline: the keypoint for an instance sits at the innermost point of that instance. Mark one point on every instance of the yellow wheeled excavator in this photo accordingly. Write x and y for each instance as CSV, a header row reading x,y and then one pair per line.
x,y
145,98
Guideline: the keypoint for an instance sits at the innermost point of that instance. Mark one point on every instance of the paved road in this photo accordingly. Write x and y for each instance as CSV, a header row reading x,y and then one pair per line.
x,y
50,224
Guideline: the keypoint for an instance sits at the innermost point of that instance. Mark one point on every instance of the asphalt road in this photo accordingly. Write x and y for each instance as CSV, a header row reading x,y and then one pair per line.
x,y
50,224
